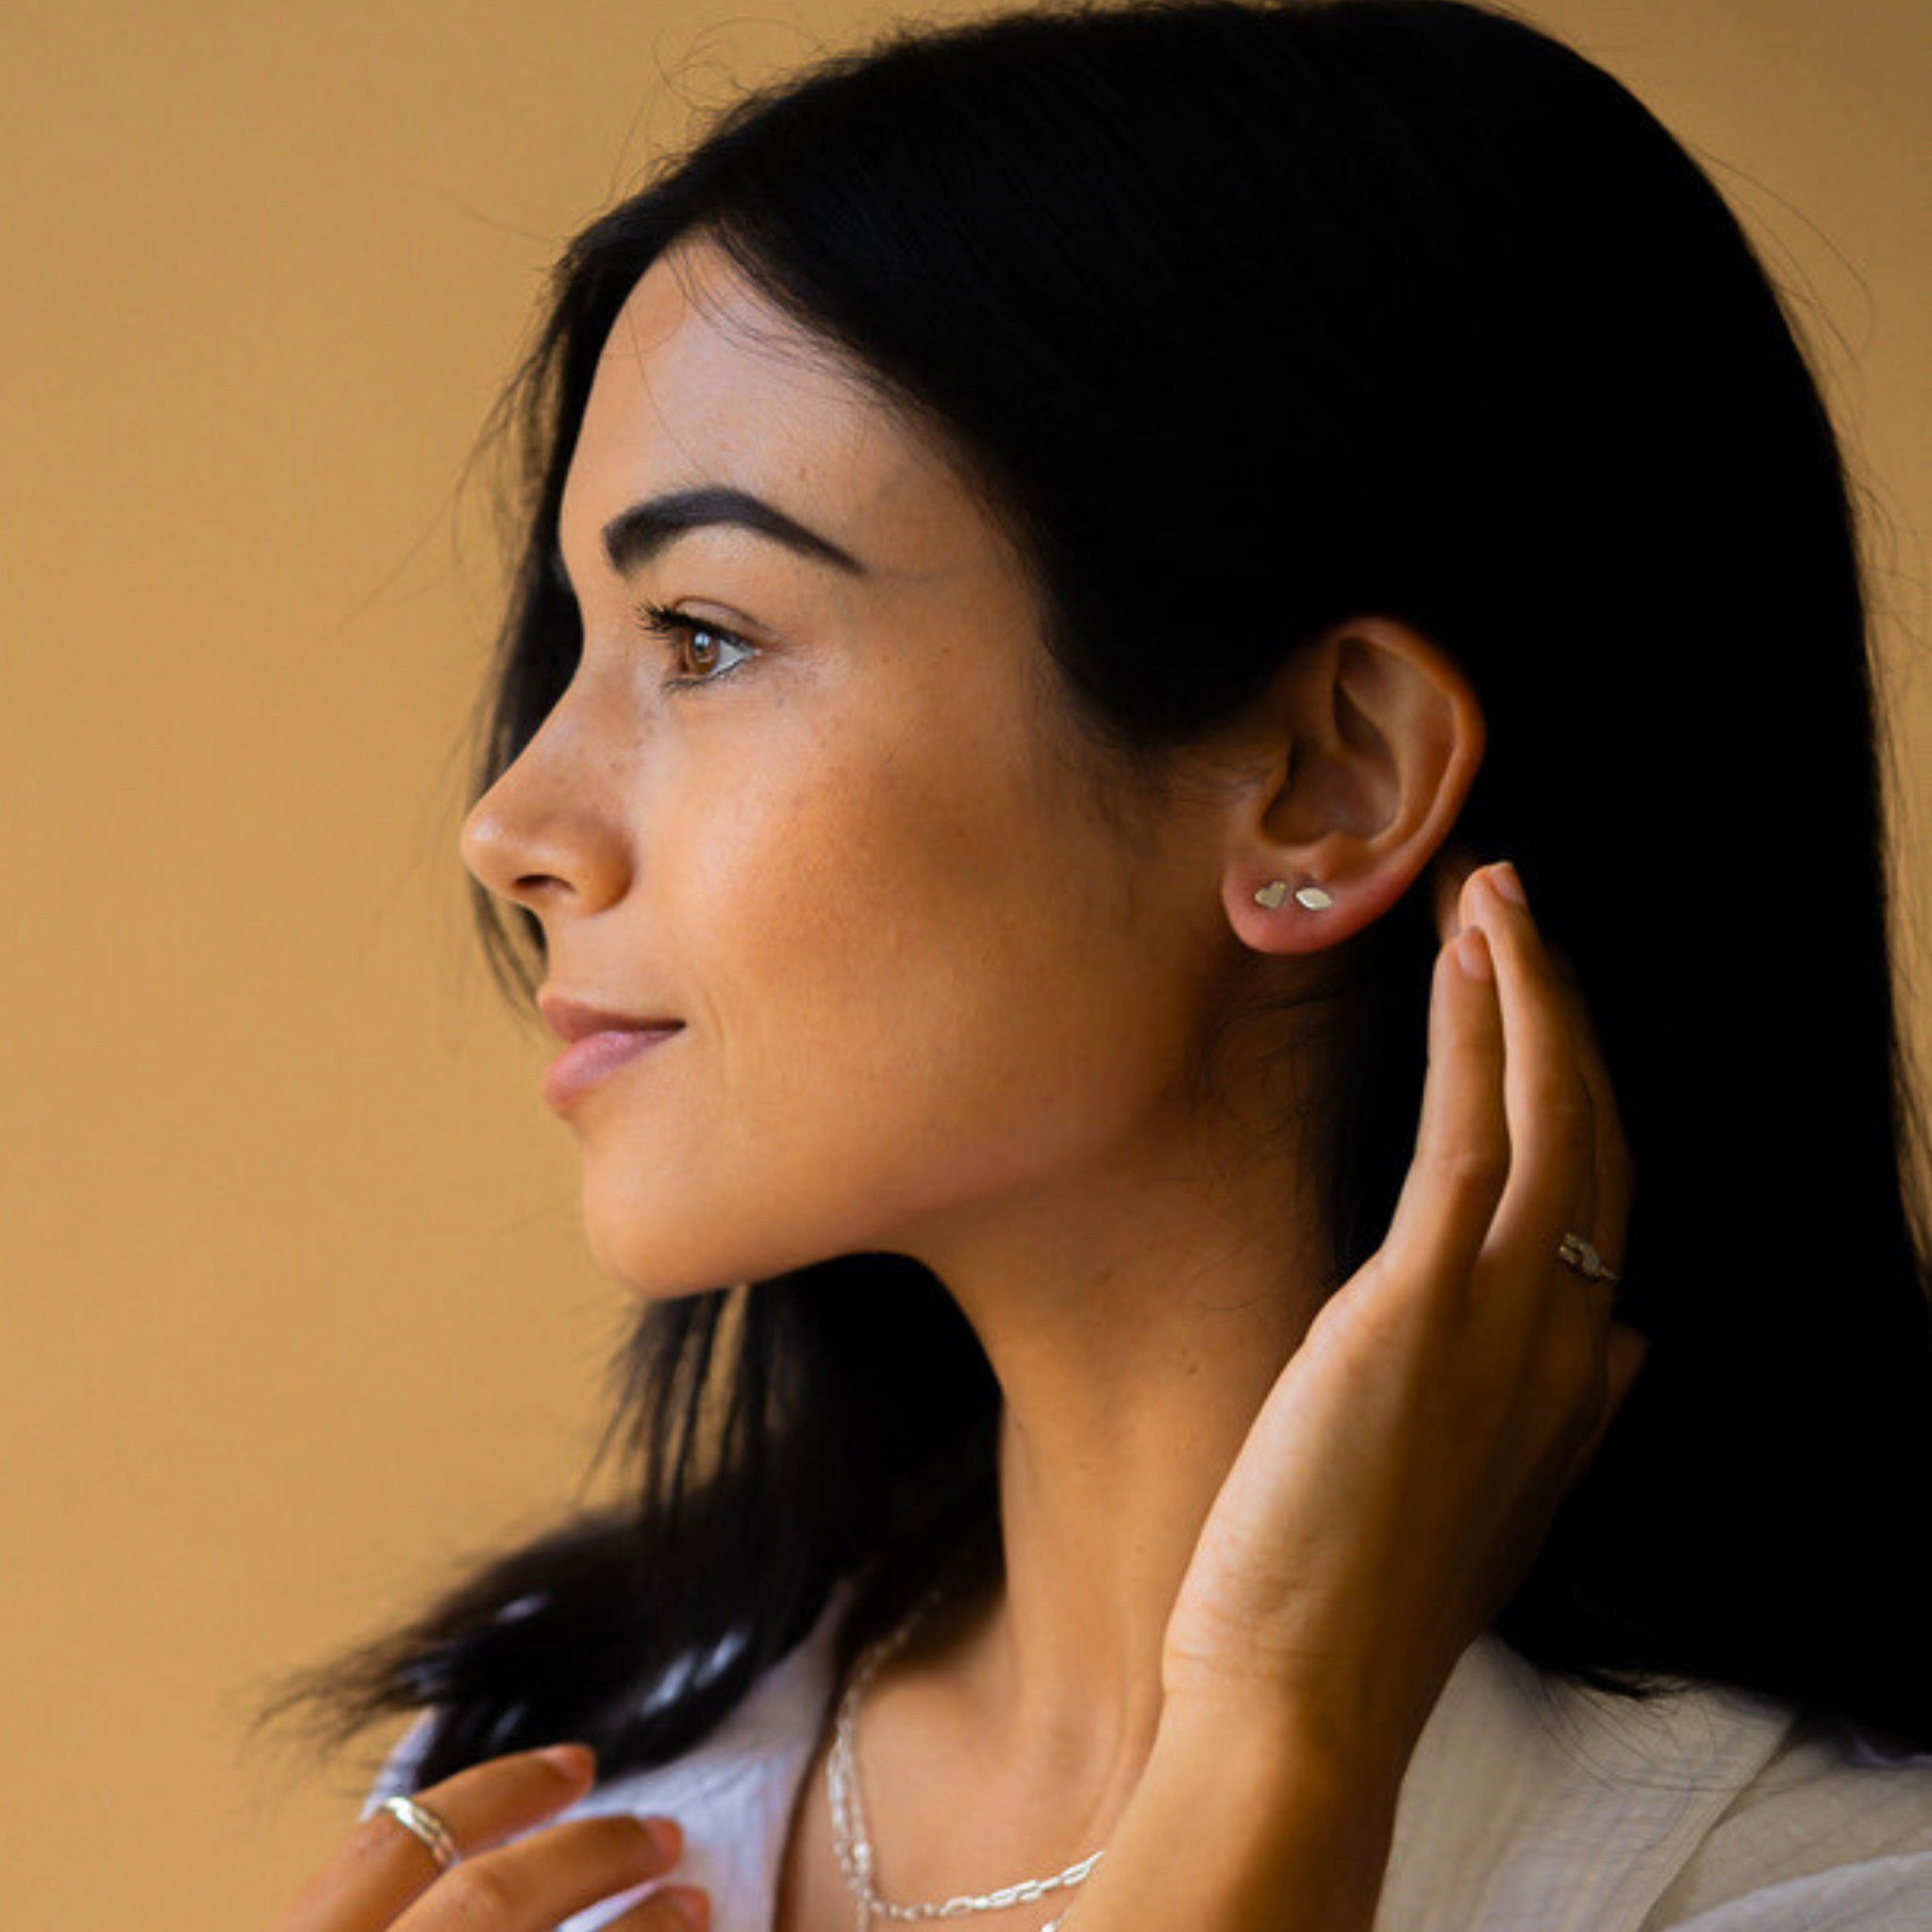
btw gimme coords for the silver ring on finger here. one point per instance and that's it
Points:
(1576, 1253)
(424, 1823)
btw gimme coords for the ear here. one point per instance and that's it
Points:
(1357, 762)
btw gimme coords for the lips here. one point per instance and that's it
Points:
(597, 1041)
(572, 1020)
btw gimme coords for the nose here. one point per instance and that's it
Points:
(542, 838)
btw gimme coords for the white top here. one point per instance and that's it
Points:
(1530, 1805)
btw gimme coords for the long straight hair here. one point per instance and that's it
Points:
(1247, 319)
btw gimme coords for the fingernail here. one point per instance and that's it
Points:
(575, 1761)
(668, 1837)
(1509, 882)
(690, 1905)
(1472, 955)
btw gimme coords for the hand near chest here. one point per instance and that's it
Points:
(504, 1866)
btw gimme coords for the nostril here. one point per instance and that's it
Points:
(538, 888)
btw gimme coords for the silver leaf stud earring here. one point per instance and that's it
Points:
(1310, 898)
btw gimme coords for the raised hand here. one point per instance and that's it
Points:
(1402, 1472)
(509, 1876)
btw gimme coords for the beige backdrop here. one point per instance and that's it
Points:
(295, 1309)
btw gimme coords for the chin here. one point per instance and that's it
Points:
(661, 1264)
(674, 1251)
(683, 1240)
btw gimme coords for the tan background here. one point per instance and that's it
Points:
(294, 1305)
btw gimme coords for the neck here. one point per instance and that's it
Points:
(1135, 1336)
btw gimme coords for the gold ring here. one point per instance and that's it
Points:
(424, 1823)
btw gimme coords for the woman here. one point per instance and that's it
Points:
(1055, 547)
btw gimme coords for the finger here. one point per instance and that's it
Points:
(1604, 1210)
(670, 1908)
(1616, 1167)
(1613, 1180)
(537, 1882)
(1620, 1348)
(382, 1867)
(1447, 878)
(1462, 1160)
(1548, 1108)
(1544, 996)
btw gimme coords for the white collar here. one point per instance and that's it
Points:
(1534, 1805)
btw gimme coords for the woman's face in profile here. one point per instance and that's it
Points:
(841, 835)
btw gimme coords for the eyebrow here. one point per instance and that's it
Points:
(635, 535)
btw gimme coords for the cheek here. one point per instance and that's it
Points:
(857, 927)
(912, 878)
(937, 968)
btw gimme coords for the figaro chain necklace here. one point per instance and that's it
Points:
(853, 1848)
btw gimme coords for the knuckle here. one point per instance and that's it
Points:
(1567, 1116)
(376, 1839)
(1558, 1095)
(482, 1889)
(1469, 1165)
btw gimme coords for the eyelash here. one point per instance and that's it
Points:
(679, 627)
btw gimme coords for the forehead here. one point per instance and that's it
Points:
(702, 381)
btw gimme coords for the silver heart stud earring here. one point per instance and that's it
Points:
(1310, 898)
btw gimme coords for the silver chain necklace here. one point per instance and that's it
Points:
(853, 1848)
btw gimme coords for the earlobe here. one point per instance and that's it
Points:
(1376, 737)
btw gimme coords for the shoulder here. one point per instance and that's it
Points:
(1533, 1805)
(1834, 1830)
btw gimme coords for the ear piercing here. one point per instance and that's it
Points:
(1310, 898)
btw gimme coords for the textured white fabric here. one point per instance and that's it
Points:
(1530, 1805)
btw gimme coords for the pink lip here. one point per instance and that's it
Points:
(593, 1058)
(597, 1041)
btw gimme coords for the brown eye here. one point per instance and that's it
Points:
(696, 648)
